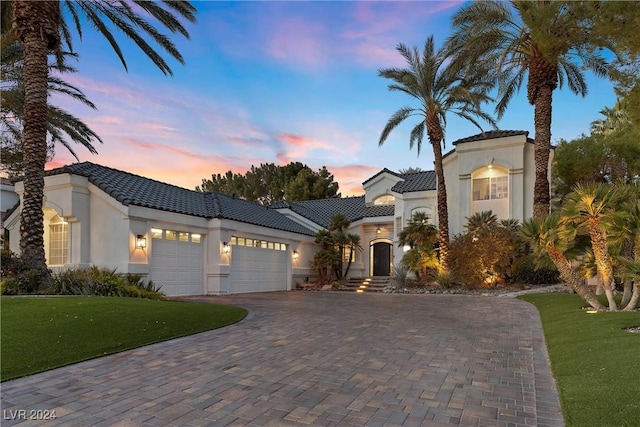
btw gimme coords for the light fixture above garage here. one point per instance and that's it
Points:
(141, 241)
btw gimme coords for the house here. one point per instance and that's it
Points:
(195, 243)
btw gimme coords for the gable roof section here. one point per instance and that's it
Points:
(418, 181)
(385, 170)
(321, 211)
(492, 135)
(130, 189)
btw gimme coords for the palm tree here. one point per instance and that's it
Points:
(39, 26)
(61, 127)
(438, 87)
(624, 232)
(481, 223)
(614, 119)
(591, 206)
(547, 237)
(421, 238)
(543, 40)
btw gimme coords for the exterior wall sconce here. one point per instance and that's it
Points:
(378, 230)
(225, 248)
(141, 241)
(491, 164)
(296, 255)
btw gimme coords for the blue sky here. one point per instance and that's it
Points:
(274, 82)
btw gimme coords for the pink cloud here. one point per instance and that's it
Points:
(350, 177)
(298, 42)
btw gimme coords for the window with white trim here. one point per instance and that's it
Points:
(58, 241)
(491, 188)
(255, 243)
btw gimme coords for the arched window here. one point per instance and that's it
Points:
(58, 241)
(386, 199)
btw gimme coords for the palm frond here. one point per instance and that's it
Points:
(397, 118)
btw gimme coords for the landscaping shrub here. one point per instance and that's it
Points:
(18, 277)
(445, 279)
(484, 255)
(103, 282)
(526, 272)
(400, 275)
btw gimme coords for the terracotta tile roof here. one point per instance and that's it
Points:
(130, 189)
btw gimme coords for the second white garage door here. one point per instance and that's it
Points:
(258, 270)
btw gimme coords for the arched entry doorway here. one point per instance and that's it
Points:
(381, 257)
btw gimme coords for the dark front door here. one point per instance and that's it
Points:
(381, 259)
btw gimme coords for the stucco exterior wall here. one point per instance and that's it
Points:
(511, 156)
(378, 186)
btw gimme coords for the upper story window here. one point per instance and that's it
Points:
(58, 241)
(491, 188)
(386, 199)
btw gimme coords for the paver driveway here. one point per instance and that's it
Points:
(320, 359)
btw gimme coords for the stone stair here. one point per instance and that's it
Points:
(368, 284)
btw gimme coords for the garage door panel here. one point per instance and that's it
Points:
(177, 266)
(258, 270)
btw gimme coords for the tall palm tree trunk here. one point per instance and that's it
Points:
(36, 25)
(543, 79)
(434, 130)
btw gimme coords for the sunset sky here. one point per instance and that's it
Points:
(274, 82)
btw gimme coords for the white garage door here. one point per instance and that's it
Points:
(177, 264)
(258, 270)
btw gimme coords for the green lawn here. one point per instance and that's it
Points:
(43, 333)
(594, 360)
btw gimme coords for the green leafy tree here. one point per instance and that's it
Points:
(270, 183)
(543, 42)
(62, 127)
(437, 87)
(600, 157)
(39, 25)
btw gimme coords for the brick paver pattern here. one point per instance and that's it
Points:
(315, 358)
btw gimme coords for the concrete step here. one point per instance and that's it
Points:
(368, 284)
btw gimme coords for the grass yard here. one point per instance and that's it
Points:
(43, 333)
(594, 360)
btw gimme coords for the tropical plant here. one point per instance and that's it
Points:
(614, 119)
(485, 254)
(39, 25)
(540, 40)
(548, 237)
(438, 87)
(62, 126)
(335, 243)
(421, 238)
(592, 206)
